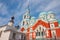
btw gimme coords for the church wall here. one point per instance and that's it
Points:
(5, 35)
(2, 28)
(58, 33)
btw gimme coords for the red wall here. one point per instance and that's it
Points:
(58, 32)
(49, 33)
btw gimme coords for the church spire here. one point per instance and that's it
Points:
(26, 17)
(27, 13)
(28, 9)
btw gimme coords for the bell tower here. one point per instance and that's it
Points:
(11, 22)
(26, 18)
(27, 14)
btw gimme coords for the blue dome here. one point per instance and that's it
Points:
(59, 21)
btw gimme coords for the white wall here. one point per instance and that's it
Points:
(5, 35)
(3, 28)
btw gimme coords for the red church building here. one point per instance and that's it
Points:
(46, 26)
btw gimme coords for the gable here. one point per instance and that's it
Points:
(39, 28)
(40, 22)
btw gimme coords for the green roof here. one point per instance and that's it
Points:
(59, 21)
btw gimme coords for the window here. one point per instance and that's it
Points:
(30, 17)
(40, 28)
(0, 33)
(22, 37)
(23, 22)
(38, 34)
(52, 25)
(43, 33)
(14, 35)
(53, 33)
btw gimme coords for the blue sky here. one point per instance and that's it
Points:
(17, 8)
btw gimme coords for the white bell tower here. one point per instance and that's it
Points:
(26, 15)
(11, 22)
(26, 19)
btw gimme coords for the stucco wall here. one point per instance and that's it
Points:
(5, 35)
(3, 28)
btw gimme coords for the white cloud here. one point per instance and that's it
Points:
(22, 9)
(3, 21)
(52, 5)
(3, 9)
(25, 5)
(35, 1)
(38, 4)
(40, 8)
(17, 12)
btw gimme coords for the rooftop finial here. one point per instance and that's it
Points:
(28, 9)
(12, 18)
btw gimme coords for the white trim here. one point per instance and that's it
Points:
(52, 28)
(53, 32)
(39, 37)
(39, 29)
(47, 33)
(52, 25)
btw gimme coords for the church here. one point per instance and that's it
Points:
(9, 32)
(45, 26)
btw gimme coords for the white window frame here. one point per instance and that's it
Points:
(53, 34)
(52, 25)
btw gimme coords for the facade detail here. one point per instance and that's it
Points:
(46, 26)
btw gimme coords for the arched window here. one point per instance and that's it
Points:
(37, 33)
(52, 25)
(40, 28)
(14, 34)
